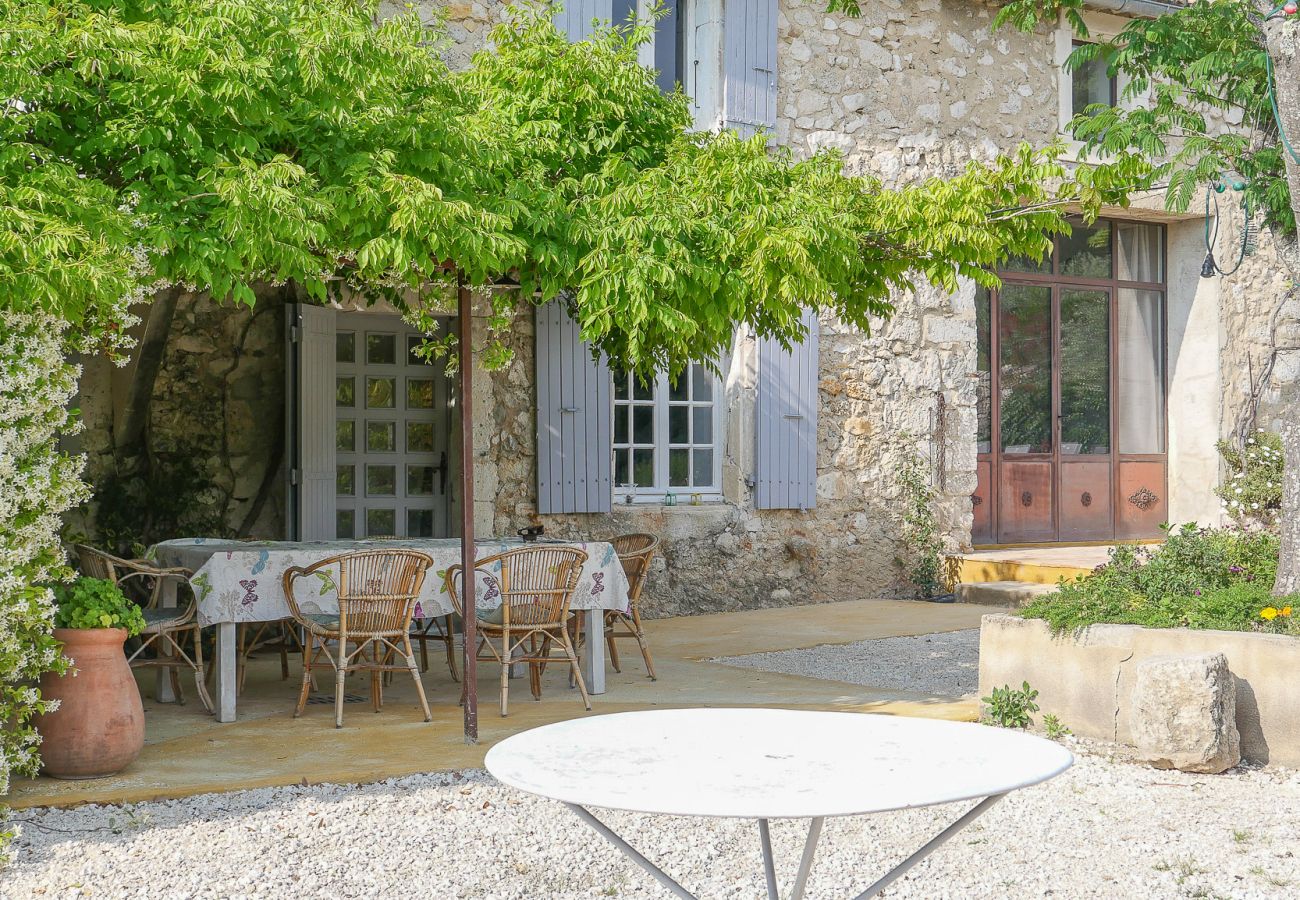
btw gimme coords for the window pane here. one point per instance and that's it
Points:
(345, 523)
(1025, 264)
(984, 371)
(679, 468)
(1085, 252)
(381, 349)
(419, 523)
(679, 425)
(1141, 251)
(1025, 332)
(346, 481)
(1085, 372)
(1141, 372)
(381, 393)
(381, 522)
(420, 480)
(419, 437)
(702, 382)
(642, 390)
(419, 393)
(620, 468)
(381, 437)
(643, 467)
(680, 388)
(346, 435)
(345, 347)
(413, 342)
(643, 424)
(381, 481)
(702, 470)
(1090, 83)
(620, 424)
(620, 386)
(345, 392)
(703, 433)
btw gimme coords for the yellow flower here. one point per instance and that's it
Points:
(1268, 613)
(1286, 610)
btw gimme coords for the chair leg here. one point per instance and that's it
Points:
(286, 629)
(505, 671)
(573, 666)
(451, 649)
(379, 656)
(423, 638)
(645, 651)
(173, 670)
(199, 687)
(340, 674)
(308, 646)
(613, 651)
(419, 685)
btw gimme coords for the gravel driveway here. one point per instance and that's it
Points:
(945, 664)
(1105, 829)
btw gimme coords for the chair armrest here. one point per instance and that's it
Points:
(290, 574)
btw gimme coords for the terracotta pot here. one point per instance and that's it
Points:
(98, 728)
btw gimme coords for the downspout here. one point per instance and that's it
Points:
(1141, 9)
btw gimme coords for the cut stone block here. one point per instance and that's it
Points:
(1011, 594)
(1183, 713)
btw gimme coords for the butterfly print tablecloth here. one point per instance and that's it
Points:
(242, 581)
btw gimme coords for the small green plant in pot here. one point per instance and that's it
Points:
(96, 726)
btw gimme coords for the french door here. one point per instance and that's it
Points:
(1071, 438)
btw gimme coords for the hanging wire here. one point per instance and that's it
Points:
(1210, 267)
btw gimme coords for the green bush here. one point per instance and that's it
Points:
(1216, 578)
(1008, 707)
(1252, 492)
(95, 603)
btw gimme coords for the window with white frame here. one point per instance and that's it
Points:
(1091, 83)
(667, 435)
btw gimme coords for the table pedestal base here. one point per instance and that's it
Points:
(805, 862)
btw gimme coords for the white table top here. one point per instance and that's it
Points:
(770, 763)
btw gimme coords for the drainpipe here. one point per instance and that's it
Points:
(1142, 9)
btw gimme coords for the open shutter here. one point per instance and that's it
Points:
(574, 417)
(314, 404)
(576, 17)
(786, 415)
(749, 65)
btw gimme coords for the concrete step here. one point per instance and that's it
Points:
(1011, 594)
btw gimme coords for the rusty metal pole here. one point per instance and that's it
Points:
(469, 619)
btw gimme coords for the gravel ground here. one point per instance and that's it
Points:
(943, 665)
(1105, 829)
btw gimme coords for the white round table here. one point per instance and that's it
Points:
(772, 764)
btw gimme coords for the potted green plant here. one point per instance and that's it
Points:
(97, 726)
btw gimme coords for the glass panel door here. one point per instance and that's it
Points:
(1083, 465)
(1027, 436)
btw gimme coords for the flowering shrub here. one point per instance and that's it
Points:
(1279, 619)
(1252, 492)
(1217, 578)
(37, 484)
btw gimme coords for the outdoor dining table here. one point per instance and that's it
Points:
(242, 581)
(769, 764)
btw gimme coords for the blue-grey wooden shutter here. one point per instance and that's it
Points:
(575, 19)
(749, 65)
(786, 416)
(315, 469)
(574, 418)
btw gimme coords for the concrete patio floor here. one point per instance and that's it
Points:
(187, 753)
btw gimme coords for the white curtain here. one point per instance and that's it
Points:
(1141, 372)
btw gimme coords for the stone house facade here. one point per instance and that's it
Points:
(911, 89)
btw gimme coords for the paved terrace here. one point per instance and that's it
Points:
(187, 753)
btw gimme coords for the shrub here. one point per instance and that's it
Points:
(1009, 707)
(1215, 578)
(96, 603)
(1252, 492)
(923, 563)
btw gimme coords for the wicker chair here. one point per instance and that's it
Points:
(536, 586)
(635, 552)
(376, 594)
(442, 630)
(165, 627)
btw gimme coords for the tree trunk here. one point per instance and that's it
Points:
(1283, 38)
(129, 437)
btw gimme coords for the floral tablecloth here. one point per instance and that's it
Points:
(242, 581)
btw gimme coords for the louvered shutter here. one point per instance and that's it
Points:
(576, 17)
(749, 65)
(574, 417)
(314, 399)
(786, 416)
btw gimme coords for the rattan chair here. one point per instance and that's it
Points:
(165, 627)
(376, 594)
(442, 630)
(535, 586)
(635, 552)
